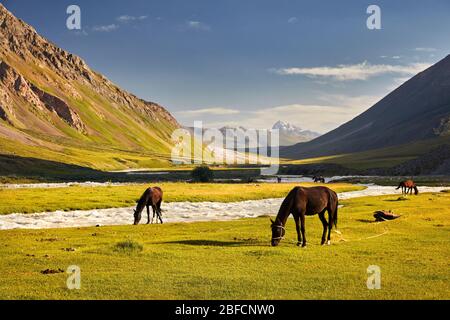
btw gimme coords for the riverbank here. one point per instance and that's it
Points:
(174, 212)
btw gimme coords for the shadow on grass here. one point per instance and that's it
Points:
(208, 243)
(16, 168)
(365, 220)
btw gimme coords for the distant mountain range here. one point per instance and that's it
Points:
(419, 110)
(291, 134)
(53, 106)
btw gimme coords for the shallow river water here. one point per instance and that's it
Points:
(172, 212)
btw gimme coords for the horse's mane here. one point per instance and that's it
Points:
(286, 205)
(143, 200)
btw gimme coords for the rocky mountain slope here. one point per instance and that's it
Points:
(418, 110)
(53, 106)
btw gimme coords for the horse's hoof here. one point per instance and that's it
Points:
(299, 244)
(304, 245)
(329, 243)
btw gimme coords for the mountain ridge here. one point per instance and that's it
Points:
(417, 110)
(52, 99)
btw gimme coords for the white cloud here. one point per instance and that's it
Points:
(127, 18)
(293, 20)
(210, 111)
(197, 25)
(330, 112)
(361, 71)
(107, 28)
(425, 49)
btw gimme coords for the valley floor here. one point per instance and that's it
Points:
(233, 260)
(30, 200)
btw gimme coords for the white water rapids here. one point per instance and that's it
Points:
(172, 212)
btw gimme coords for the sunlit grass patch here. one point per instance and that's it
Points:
(234, 259)
(128, 246)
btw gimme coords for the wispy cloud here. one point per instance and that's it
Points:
(106, 28)
(425, 49)
(210, 111)
(361, 71)
(293, 20)
(328, 113)
(198, 25)
(127, 18)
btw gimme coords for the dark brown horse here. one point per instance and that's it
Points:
(319, 179)
(407, 187)
(303, 202)
(152, 197)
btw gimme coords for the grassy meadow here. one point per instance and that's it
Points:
(86, 198)
(233, 260)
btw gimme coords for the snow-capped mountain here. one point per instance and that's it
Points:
(291, 134)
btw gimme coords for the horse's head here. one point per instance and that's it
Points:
(278, 232)
(137, 217)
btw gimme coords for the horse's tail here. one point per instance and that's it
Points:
(334, 203)
(416, 191)
(335, 219)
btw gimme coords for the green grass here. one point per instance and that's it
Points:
(85, 198)
(233, 260)
(128, 246)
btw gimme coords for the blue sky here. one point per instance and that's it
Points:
(251, 62)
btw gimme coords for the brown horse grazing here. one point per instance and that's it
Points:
(152, 197)
(407, 187)
(303, 202)
(319, 179)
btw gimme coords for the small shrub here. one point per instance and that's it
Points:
(202, 174)
(128, 246)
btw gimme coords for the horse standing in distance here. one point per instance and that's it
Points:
(152, 197)
(319, 179)
(303, 202)
(407, 187)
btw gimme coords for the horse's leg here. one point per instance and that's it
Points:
(159, 216)
(302, 228)
(154, 214)
(325, 225)
(158, 207)
(148, 214)
(297, 227)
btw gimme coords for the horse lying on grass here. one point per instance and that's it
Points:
(303, 202)
(152, 197)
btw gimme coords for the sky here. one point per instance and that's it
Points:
(250, 63)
